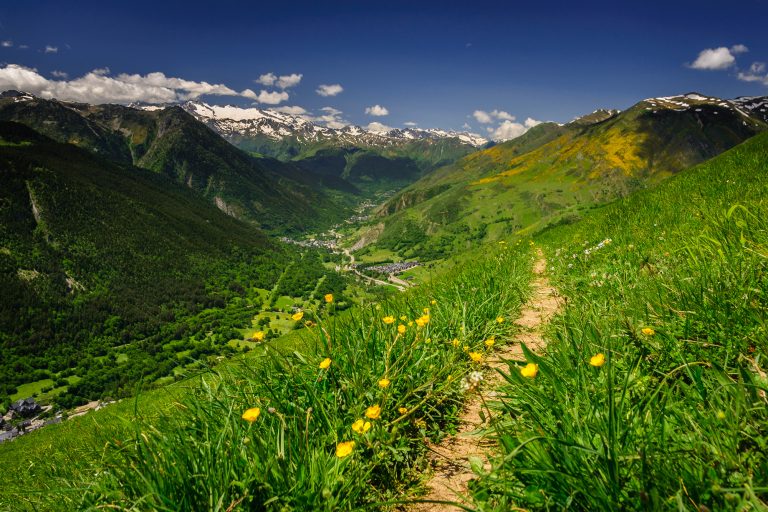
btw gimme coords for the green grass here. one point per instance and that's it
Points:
(31, 389)
(676, 417)
(286, 459)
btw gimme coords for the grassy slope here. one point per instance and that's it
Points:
(286, 458)
(676, 417)
(553, 174)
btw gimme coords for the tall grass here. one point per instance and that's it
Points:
(204, 456)
(677, 302)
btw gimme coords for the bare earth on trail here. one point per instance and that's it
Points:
(450, 459)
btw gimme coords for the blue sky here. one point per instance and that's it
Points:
(432, 63)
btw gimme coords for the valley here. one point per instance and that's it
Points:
(188, 263)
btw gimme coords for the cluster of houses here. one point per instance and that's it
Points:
(22, 417)
(392, 268)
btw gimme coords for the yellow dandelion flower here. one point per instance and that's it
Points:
(325, 363)
(344, 449)
(251, 414)
(384, 383)
(298, 316)
(361, 426)
(476, 357)
(490, 342)
(648, 331)
(328, 298)
(259, 336)
(499, 319)
(530, 370)
(597, 360)
(401, 329)
(373, 412)
(388, 320)
(422, 320)
(402, 410)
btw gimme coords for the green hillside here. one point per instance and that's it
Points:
(103, 264)
(669, 285)
(554, 173)
(171, 142)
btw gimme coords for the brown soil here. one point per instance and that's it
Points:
(450, 460)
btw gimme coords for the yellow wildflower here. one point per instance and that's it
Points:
(258, 336)
(361, 426)
(328, 298)
(476, 357)
(490, 342)
(410, 324)
(325, 363)
(465, 348)
(251, 414)
(530, 370)
(455, 342)
(309, 323)
(344, 449)
(402, 410)
(597, 360)
(388, 320)
(422, 320)
(404, 318)
(420, 423)
(648, 331)
(384, 383)
(433, 302)
(373, 412)
(499, 319)
(401, 329)
(425, 311)
(298, 316)
(720, 415)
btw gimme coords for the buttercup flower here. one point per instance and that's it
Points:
(298, 316)
(329, 297)
(402, 410)
(325, 363)
(648, 331)
(422, 320)
(251, 414)
(530, 370)
(401, 329)
(490, 342)
(373, 412)
(384, 383)
(597, 360)
(404, 318)
(388, 320)
(499, 319)
(476, 357)
(455, 342)
(361, 426)
(433, 302)
(344, 449)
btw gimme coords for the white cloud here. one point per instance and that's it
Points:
(482, 116)
(23, 46)
(331, 110)
(331, 118)
(718, 58)
(410, 124)
(283, 81)
(268, 97)
(59, 74)
(508, 130)
(286, 81)
(329, 90)
(6, 44)
(293, 110)
(756, 73)
(267, 79)
(500, 114)
(98, 87)
(376, 127)
(377, 111)
(51, 49)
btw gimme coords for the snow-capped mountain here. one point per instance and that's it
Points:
(749, 109)
(231, 121)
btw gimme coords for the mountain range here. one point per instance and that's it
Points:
(553, 172)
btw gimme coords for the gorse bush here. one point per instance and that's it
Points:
(652, 391)
(336, 427)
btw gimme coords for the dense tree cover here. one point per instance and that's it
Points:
(98, 259)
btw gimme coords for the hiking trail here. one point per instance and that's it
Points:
(450, 459)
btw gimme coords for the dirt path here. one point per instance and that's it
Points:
(450, 459)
